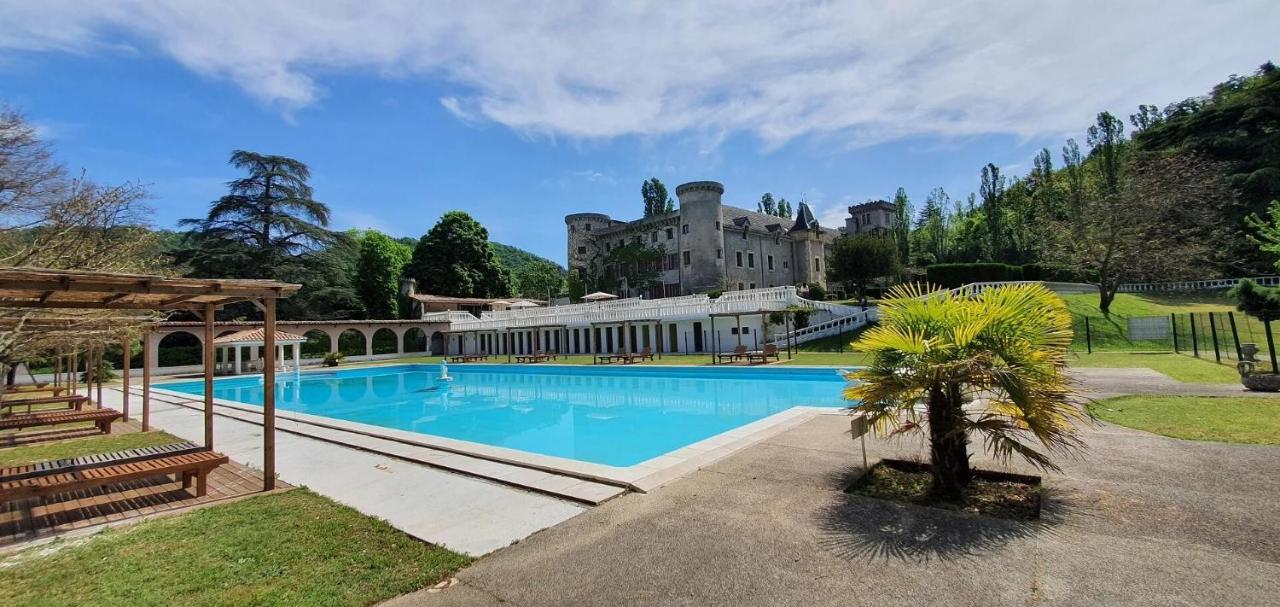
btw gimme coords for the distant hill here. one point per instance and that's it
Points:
(515, 258)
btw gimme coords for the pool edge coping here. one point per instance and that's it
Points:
(642, 477)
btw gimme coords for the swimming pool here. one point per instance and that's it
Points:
(605, 415)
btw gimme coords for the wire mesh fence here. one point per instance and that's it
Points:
(1222, 337)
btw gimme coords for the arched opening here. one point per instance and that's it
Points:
(179, 349)
(384, 341)
(351, 343)
(415, 340)
(317, 344)
(437, 343)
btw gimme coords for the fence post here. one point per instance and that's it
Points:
(1271, 344)
(1191, 319)
(1088, 335)
(1235, 337)
(1213, 331)
(1173, 320)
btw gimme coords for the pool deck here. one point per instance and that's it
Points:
(463, 513)
(1140, 520)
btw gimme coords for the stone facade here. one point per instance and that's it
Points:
(873, 217)
(706, 245)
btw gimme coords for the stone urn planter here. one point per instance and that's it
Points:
(1256, 382)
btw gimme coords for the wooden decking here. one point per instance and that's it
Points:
(121, 502)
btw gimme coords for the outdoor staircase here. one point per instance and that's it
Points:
(834, 326)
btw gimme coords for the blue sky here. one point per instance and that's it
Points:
(509, 115)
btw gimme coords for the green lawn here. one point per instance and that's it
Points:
(76, 447)
(1238, 419)
(292, 548)
(1109, 333)
(1182, 367)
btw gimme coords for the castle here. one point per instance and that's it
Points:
(704, 246)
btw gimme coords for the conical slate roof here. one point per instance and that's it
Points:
(804, 219)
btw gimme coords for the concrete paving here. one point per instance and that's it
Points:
(464, 514)
(1138, 520)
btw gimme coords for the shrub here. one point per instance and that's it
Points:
(817, 292)
(333, 359)
(104, 371)
(952, 275)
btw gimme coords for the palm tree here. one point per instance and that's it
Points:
(954, 363)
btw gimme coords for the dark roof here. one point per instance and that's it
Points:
(805, 219)
(760, 221)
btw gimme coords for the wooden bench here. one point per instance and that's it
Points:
(185, 467)
(97, 460)
(738, 353)
(73, 401)
(101, 418)
(763, 356)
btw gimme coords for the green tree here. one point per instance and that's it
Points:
(1077, 190)
(992, 192)
(767, 204)
(931, 228)
(269, 226)
(656, 200)
(379, 267)
(784, 208)
(860, 258)
(539, 280)
(1107, 140)
(639, 265)
(951, 365)
(454, 259)
(902, 212)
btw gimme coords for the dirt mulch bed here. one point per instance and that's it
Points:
(997, 494)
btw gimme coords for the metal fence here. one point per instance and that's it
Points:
(1222, 337)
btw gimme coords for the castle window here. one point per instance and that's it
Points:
(744, 232)
(739, 256)
(717, 225)
(654, 237)
(770, 262)
(751, 261)
(586, 228)
(684, 229)
(687, 259)
(672, 262)
(582, 250)
(785, 264)
(607, 247)
(719, 254)
(753, 285)
(741, 287)
(817, 264)
(670, 233)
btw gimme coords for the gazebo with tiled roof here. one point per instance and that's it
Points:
(255, 338)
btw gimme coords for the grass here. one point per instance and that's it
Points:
(15, 456)
(1181, 367)
(1110, 332)
(292, 548)
(1236, 419)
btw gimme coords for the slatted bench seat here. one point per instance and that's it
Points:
(102, 418)
(12, 473)
(73, 401)
(187, 466)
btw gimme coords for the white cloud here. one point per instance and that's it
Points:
(858, 72)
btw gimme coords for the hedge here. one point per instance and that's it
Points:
(952, 275)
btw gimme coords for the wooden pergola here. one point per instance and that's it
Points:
(39, 288)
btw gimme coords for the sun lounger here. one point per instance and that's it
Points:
(763, 356)
(738, 353)
(73, 401)
(187, 466)
(611, 358)
(70, 464)
(101, 418)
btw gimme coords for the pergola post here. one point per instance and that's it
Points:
(713, 339)
(126, 345)
(269, 394)
(97, 368)
(737, 319)
(208, 376)
(146, 380)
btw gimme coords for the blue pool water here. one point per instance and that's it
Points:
(605, 415)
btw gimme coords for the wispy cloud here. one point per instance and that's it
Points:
(858, 72)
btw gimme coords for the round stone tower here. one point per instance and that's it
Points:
(703, 238)
(583, 249)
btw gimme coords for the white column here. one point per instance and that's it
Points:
(237, 369)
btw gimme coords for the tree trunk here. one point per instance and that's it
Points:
(1105, 297)
(948, 444)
